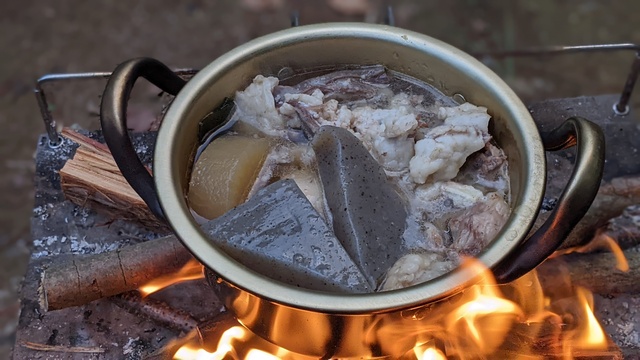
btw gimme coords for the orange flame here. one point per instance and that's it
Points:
(476, 325)
(589, 334)
(487, 316)
(192, 270)
(187, 353)
(255, 354)
(225, 347)
(600, 242)
(604, 241)
(431, 353)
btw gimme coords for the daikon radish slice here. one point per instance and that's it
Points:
(224, 173)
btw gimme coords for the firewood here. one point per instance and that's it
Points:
(612, 199)
(155, 310)
(524, 341)
(595, 271)
(206, 335)
(78, 280)
(624, 229)
(92, 178)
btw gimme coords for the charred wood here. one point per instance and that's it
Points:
(155, 310)
(595, 271)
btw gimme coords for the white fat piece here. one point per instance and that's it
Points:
(444, 149)
(256, 106)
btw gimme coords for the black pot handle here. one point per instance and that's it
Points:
(113, 119)
(574, 202)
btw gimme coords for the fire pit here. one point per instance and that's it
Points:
(470, 324)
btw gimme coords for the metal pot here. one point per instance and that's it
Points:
(326, 324)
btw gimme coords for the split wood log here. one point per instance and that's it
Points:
(92, 178)
(78, 280)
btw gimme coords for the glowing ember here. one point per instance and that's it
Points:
(192, 270)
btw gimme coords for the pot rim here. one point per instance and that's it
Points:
(175, 207)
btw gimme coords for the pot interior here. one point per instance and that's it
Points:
(308, 47)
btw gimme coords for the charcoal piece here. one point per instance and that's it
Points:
(277, 232)
(369, 215)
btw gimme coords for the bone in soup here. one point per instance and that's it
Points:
(357, 180)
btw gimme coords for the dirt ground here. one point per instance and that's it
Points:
(40, 37)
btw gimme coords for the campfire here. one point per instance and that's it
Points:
(522, 319)
(547, 313)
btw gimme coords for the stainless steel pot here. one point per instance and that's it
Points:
(324, 324)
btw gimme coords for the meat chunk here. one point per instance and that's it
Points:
(421, 235)
(443, 197)
(477, 225)
(445, 148)
(386, 133)
(416, 268)
(256, 106)
(487, 170)
(431, 208)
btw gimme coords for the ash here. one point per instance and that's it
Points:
(61, 229)
(133, 349)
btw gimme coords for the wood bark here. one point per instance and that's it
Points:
(595, 271)
(155, 310)
(78, 280)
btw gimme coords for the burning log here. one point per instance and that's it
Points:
(78, 280)
(92, 178)
(594, 271)
(205, 335)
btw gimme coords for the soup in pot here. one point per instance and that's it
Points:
(356, 180)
